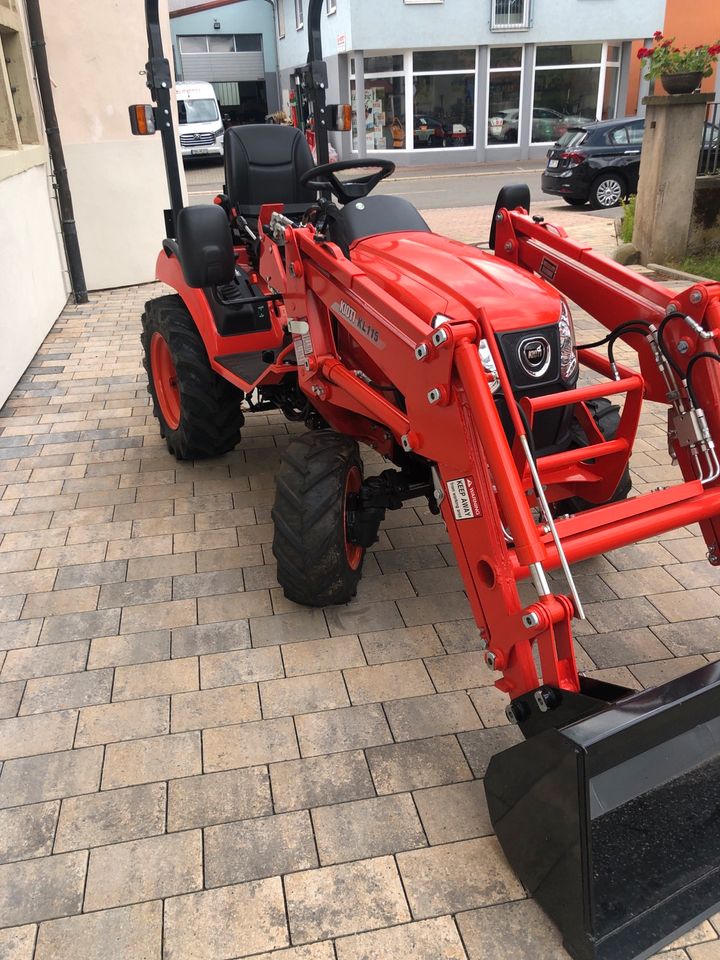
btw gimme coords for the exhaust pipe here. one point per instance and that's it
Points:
(612, 821)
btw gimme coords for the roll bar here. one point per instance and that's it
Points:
(159, 82)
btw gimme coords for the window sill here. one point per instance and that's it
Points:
(13, 162)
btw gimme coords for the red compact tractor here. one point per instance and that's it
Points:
(299, 290)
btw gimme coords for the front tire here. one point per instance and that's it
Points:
(316, 563)
(198, 411)
(607, 191)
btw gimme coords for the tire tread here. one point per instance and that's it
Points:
(210, 418)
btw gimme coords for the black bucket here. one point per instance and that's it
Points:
(612, 822)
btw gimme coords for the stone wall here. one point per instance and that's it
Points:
(704, 230)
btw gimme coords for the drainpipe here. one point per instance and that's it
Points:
(57, 156)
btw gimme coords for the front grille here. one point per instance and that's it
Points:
(197, 139)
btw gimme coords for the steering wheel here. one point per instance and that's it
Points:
(324, 178)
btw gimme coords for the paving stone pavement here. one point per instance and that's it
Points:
(192, 766)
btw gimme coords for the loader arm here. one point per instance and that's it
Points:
(450, 418)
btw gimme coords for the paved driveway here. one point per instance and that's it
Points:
(192, 766)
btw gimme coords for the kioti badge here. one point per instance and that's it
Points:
(534, 355)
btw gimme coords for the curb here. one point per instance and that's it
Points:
(679, 274)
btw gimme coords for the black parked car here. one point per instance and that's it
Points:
(599, 162)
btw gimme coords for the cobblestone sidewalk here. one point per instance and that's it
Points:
(192, 766)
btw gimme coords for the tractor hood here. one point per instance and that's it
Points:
(431, 274)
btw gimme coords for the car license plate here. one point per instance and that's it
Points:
(552, 163)
(196, 150)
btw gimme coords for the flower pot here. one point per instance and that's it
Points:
(681, 82)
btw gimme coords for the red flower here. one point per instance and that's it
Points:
(644, 52)
(666, 43)
(657, 35)
(714, 50)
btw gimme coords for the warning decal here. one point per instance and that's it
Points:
(464, 498)
(303, 347)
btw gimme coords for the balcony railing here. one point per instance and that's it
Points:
(510, 14)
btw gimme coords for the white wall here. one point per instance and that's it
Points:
(32, 291)
(96, 54)
(119, 193)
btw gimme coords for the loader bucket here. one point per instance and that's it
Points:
(612, 822)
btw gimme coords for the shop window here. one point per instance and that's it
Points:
(381, 120)
(416, 101)
(567, 86)
(503, 119)
(425, 61)
(609, 103)
(572, 54)
(280, 7)
(392, 63)
(510, 14)
(444, 108)
(568, 96)
(443, 98)
(504, 58)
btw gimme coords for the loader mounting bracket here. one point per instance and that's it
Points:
(388, 491)
(551, 708)
(158, 76)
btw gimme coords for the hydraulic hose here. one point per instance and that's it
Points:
(705, 355)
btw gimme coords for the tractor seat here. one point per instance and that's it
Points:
(372, 216)
(263, 163)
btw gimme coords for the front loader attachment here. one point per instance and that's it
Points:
(612, 822)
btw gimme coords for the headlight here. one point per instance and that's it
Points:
(489, 367)
(568, 353)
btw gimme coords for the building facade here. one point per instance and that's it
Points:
(33, 286)
(233, 46)
(117, 181)
(469, 80)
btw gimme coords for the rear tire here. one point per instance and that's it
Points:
(316, 564)
(607, 417)
(198, 411)
(607, 191)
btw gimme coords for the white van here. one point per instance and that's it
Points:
(201, 127)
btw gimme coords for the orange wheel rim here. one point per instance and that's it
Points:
(353, 551)
(165, 381)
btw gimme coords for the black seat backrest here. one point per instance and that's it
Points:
(263, 163)
(372, 216)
